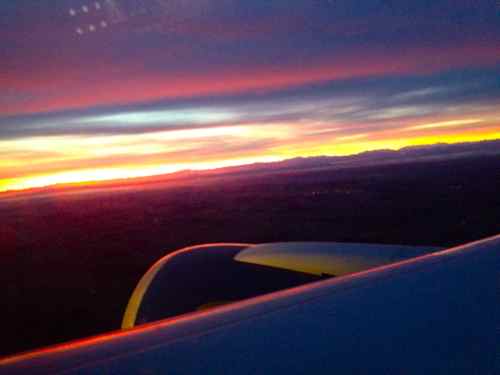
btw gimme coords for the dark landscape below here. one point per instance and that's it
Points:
(71, 260)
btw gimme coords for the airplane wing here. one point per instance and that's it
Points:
(435, 313)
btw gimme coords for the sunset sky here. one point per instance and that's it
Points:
(94, 90)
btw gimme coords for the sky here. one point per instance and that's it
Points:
(105, 89)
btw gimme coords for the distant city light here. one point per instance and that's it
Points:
(91, 28)
(97, 5)
(85, 9)
(104, 24)
(72, 12)
(79, 31)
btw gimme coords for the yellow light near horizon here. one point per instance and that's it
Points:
(108, 174)
(77, 147)
(351, 148)
(290, 145)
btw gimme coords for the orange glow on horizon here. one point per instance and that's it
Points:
(347, 145)
(89, 176)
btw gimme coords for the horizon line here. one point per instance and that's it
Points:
(89, 183)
